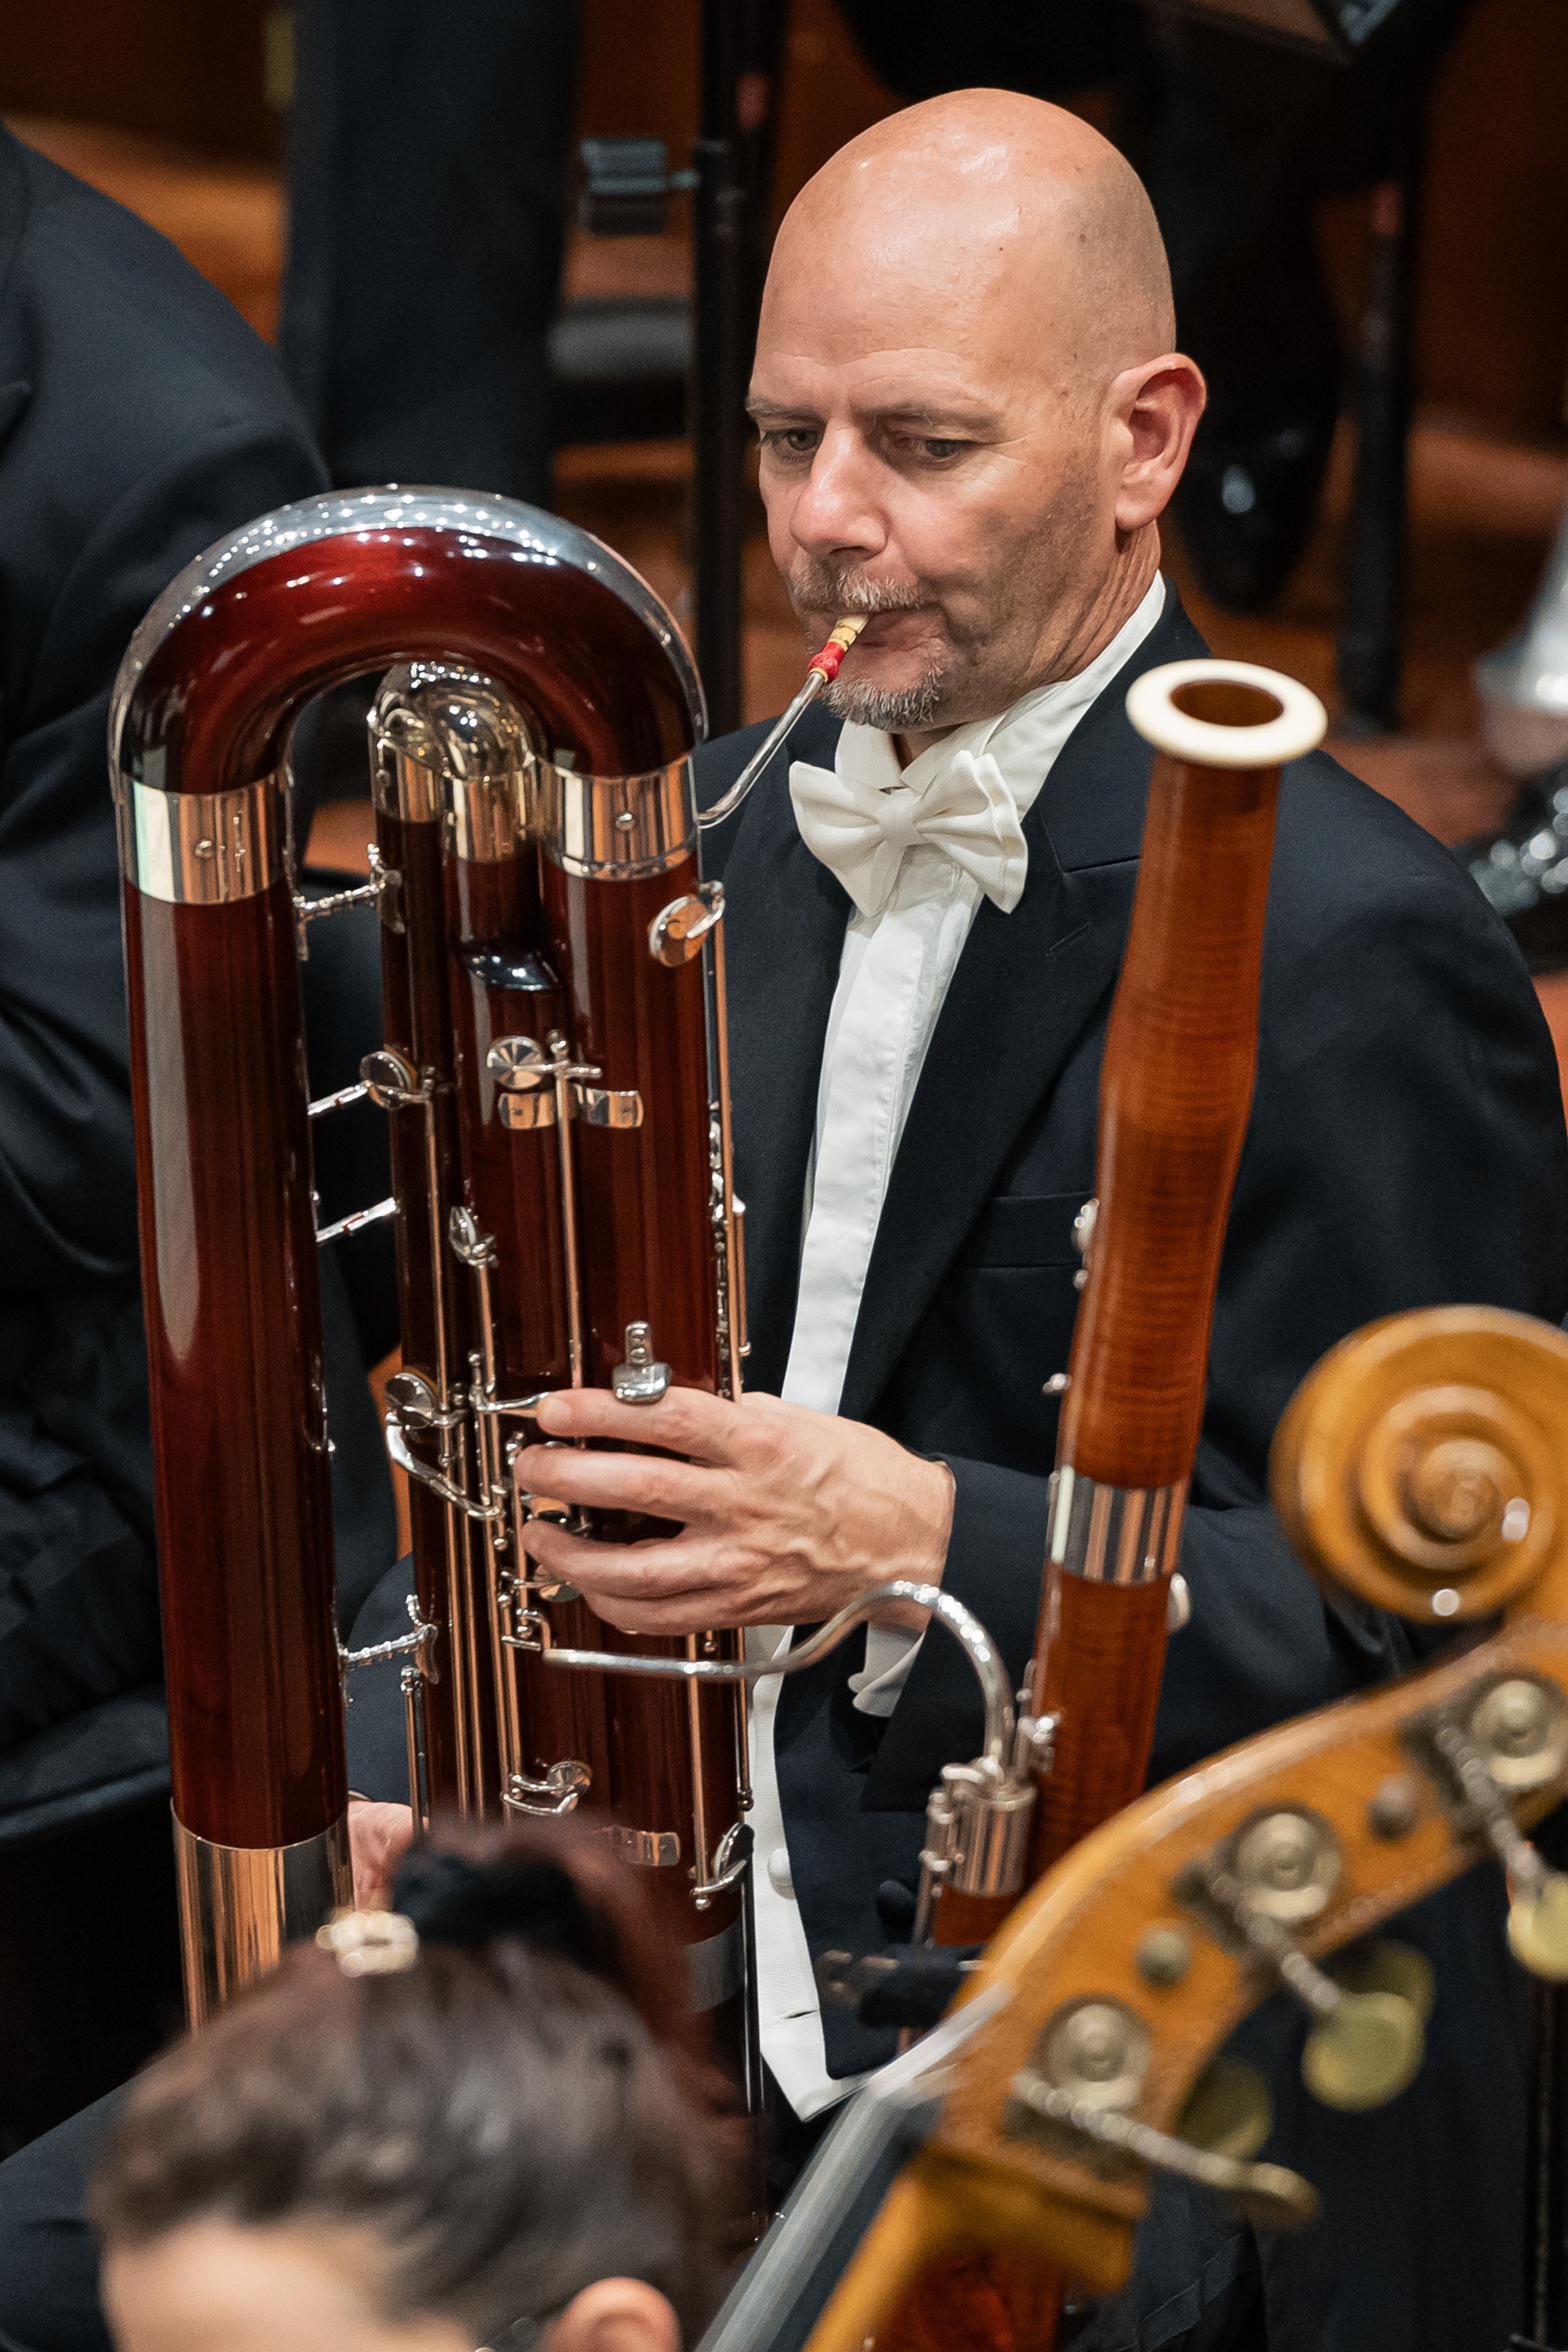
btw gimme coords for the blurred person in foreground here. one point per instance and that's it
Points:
(474, 2120)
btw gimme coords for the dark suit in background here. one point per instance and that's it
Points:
(139, 420)
(1405, 1148)
(427, 158)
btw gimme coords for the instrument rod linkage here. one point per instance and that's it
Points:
(962, 1623)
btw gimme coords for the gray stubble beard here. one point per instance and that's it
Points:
(893, 710)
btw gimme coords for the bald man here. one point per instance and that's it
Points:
(973, 413)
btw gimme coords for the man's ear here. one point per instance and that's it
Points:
(1157, 408)
(616, 2314)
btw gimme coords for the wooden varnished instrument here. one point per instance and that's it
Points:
(554, 1074)
(1422, 1458)
(1175, 1093)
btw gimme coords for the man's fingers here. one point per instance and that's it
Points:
(379, 1837)
(622, 1571)
(619, 1482)
(687, 1420)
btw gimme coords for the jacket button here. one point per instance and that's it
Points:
(779, 1877)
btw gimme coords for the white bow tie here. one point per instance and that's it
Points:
(861, 832)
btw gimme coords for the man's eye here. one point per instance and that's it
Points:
(938, 450)
(792, 440)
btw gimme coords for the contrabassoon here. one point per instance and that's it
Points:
(554, 1072)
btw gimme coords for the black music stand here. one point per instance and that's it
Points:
(626, 189)
(1368, 650)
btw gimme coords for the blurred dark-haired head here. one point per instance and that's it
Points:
(461, 2145)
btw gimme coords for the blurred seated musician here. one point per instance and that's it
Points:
(469, 2121)
(139, 420)
(973, 413)
(1239, 139)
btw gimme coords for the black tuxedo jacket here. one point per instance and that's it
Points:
(139, 420)
(1406, 1149)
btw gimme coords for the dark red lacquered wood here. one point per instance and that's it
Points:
(963, 1918)
(647, 1239)
(229, 1274)
(989, 2300)
(513, 1180)
(1175, 1091)
(233, 1314)
(1104, 1651)
(644, 1192)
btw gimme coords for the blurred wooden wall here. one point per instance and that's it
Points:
(1494, 307)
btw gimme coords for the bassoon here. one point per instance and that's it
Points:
(1175, 1092)
(554, 1074)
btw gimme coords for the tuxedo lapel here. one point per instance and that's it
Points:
(784, 940)
(1026, 985)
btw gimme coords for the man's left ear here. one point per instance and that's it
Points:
(1157, 407)
(616, 2314)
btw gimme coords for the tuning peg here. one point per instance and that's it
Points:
(1227, 2110)
(1075, 2098)
(1274, 1876)
(1365, 2052)
(1387, 1967)
(1515, 1740)
(1538, 1928)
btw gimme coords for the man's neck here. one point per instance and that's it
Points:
(1103, 618)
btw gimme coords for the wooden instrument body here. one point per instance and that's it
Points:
(233, 1313)
(1175, 1092)
(206, 697)
(643, 1200)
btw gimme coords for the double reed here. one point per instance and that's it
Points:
(554, 1074)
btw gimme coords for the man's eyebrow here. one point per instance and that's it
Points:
(769, 412)
(938, 419)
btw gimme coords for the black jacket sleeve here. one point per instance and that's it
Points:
(66, 1163)
(1406, 1150)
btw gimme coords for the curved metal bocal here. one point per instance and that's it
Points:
(209, 688)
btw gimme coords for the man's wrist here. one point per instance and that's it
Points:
(935, 1505)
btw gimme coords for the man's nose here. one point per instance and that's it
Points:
(838, 513)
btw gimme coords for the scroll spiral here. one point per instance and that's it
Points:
(1420, 1466)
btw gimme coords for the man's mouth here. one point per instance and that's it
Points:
(894, 632)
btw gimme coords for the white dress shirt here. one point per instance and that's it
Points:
(894, 974)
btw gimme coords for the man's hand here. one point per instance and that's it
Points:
(379, 1837)
(784, 1512)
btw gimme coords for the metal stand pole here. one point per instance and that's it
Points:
(720, 363)
(1546, 2176)
(1367, 654)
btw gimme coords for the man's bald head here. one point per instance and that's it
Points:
(971, 413)
(1037, 213)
